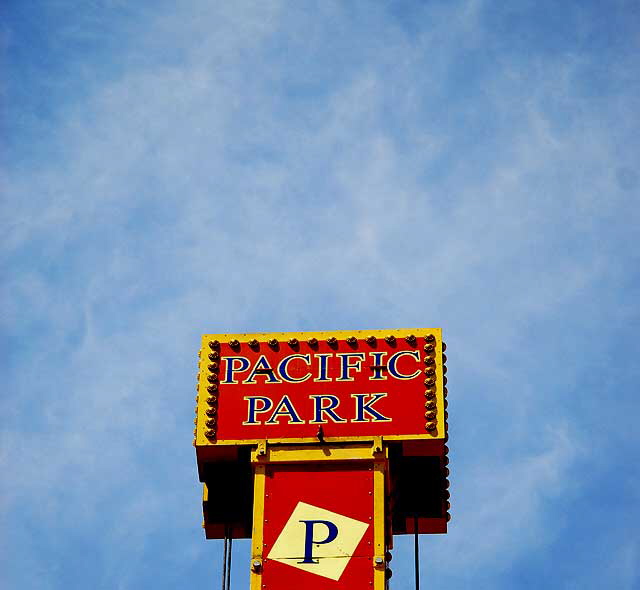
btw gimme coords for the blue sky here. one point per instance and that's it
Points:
(171, 169)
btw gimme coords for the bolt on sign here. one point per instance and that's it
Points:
(284, 420)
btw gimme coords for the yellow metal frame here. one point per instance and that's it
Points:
(257, 533)
(294, 454)
(202, 441)
(374, 453)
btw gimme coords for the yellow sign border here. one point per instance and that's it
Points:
(202, 441)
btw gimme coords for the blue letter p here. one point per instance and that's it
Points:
(332, 533)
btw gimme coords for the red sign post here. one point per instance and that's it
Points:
(339, 429)
(315, 519)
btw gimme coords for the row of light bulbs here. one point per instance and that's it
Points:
(331, 341)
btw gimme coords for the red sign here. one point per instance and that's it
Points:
(321, 386)
(313, 537)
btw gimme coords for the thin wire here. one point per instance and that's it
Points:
(224, 561)
(229, 557)
(416, 550)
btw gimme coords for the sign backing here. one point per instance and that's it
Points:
(310, 386)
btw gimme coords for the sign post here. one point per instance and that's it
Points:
(319, 518)
(321, 446)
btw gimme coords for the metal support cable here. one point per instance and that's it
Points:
(229, 559)
(416, 550)
(224, 561)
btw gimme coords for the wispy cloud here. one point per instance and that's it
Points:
(254, 166)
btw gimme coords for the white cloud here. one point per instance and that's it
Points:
(201, 189)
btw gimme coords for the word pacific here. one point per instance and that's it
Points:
(297, 368)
